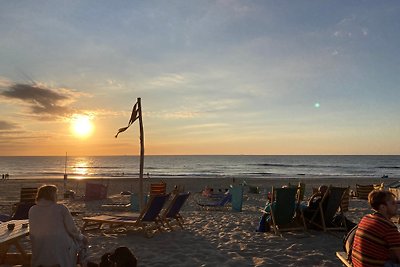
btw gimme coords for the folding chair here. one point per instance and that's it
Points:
(158, 189)
(148, 220)
(284, 211)
(172, 212)
(328, 208)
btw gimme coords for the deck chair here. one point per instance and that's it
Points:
(158, 189)
(396, 192)
(171, 213)
(147, 221)
(21, 212)
(362, 191)
(27, 198)
(327, 209)
(215, 204)
(95, 191)
(285, 212)
(301, 190)
(342, 256)
(344, 206)
(28, 194)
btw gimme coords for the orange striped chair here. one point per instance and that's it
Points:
(158, 189)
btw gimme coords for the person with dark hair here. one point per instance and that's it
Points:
(313, 204)
(54, 236)
(316, 198)
(122, 257)
(377, 240)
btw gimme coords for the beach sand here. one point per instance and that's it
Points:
(210, 238)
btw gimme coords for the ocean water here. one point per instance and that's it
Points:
(239, 166)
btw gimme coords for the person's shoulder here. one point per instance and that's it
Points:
(377, 220)
(33, 209)
(61, 207)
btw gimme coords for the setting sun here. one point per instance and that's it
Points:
(81, 125)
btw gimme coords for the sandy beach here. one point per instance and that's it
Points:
(210, 238)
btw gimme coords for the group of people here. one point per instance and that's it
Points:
(308, 209)
(56, 241)
(5, 176)
(376, 241)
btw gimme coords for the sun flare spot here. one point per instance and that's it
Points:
(81, 125)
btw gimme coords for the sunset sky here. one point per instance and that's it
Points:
(215, 77)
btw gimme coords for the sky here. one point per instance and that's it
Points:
(214, 77)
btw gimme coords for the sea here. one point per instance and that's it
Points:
(232, 166)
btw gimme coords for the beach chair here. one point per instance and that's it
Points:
(285, 214)
(215, 204)
(158, 189)
(396, 192)
(344, 206)
(28, 194)
(94, 191)
(343, 258)
(301, 190)
(148, 220)
(328, 208)
(21, 212)
(172, 212)
(362, 191)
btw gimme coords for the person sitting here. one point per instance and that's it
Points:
(207, 192)
(377, 239)
(265, 220)
(313, 204)
(316, 198)
(54, 236)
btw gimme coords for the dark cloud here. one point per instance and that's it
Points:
(42, 101)
(5, 125)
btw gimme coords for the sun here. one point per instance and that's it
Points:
(81, 125)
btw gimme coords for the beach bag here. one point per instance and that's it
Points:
(348, 242)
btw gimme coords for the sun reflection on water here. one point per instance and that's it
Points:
(81, 169)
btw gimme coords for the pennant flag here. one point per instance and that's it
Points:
(134, 117)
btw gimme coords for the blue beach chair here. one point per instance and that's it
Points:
(172, 212)
(216, 204)
(148, 220)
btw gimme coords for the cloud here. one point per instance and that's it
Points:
(174, 114)
(167, 80)
(5, 125)
(43, 102)
(5, 82)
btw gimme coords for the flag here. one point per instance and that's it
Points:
(134, 116)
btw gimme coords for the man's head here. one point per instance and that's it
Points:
(383, 202)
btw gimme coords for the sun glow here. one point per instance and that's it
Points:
(81, 125)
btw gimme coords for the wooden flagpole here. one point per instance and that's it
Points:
(141, 154)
